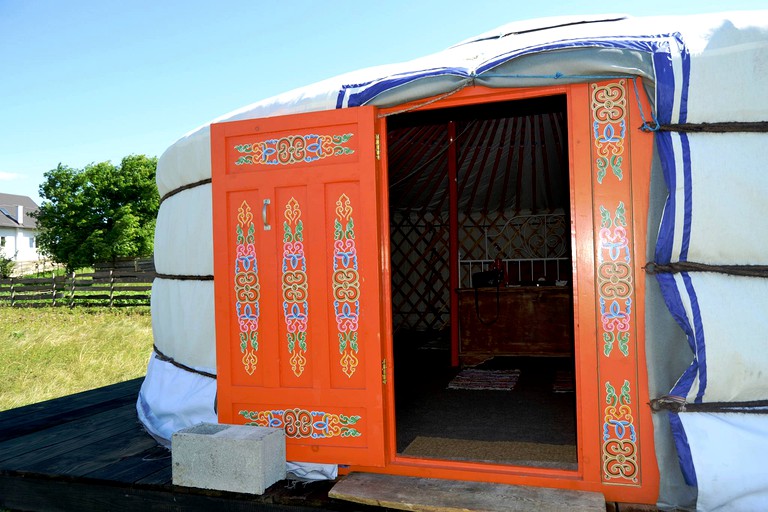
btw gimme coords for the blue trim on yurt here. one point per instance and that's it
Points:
(688, 197)
(701, 347)
(666, 237)
(666, 91)
(665, 87)
(650, 44)
(369, 90)
(694, 333)
(683, 449)
(674, 303)
(365, 92)
(684, 384)
(685, 57)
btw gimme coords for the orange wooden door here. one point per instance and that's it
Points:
(296, 277)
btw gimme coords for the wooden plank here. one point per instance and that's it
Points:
(95, 296)
(34, 287)
(90, 452)
(429, 494)
(74, 402)
(47, 304)
(37, 280)
(29, 492)
(34, 417)
(140, 466)
(36, 296)
(161, 477)
(119, 295)
(134, 275)
(103, 305)
(63, 437)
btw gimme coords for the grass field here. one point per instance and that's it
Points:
(50, 352)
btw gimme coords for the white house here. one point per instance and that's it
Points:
(18, 229)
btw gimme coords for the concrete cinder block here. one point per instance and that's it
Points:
(235, 458)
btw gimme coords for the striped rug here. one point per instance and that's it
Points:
(485, 380)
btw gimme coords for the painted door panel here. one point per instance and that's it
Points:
(296, 269)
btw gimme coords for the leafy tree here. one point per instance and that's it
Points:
(6, 265)
(98, 213)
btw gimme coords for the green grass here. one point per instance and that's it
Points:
(51, 352)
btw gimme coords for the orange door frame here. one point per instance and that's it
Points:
(610, 164)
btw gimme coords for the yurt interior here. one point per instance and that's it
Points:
(482, 301)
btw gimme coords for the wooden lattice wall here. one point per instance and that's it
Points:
(420, 271)
(533, 247)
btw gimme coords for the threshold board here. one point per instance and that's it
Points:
(431, 494)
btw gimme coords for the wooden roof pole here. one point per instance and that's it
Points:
(508, 165)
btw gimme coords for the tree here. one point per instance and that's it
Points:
(98, 213)
(6, 265)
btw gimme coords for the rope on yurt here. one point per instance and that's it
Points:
(167, 359)
(678, 404)
(555, 76)
(645, 127)
(692, 266)
(184, 187)
(464, 85)
(722, 127)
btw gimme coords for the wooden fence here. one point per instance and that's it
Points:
(103, 287)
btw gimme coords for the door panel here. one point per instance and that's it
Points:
(295, 343)
(349, 331)
(296, 269)
(252, 319)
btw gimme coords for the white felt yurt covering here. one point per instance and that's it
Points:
(707, 206)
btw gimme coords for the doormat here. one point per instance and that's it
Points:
(517, 452)
(485, 380)
(564, 382)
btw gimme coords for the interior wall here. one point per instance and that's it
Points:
(512, 180)
(533, 248)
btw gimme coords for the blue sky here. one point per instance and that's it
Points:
(86, 81)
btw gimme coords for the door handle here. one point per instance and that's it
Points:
(267, 227)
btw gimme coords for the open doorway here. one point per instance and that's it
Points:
(493, 293)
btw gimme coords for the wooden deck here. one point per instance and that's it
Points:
(88, 452)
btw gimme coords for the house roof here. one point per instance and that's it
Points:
(9, 210)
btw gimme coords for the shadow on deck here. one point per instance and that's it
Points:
(88, 452)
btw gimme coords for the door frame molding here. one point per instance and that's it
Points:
(601, 410)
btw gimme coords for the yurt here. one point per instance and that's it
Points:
(537, 257)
